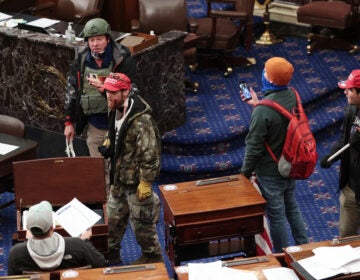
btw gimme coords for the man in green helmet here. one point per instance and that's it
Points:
(86, 110)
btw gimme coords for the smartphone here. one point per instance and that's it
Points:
(245, 90)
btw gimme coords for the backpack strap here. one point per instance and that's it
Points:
(277, 107)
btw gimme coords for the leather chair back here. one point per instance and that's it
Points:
(66, 9)
(12, 126)
(162, 16)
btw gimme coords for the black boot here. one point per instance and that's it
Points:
(114, 257)
(148, 258)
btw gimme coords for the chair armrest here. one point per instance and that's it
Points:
(135, 25)
(87, 14)
(42, 7)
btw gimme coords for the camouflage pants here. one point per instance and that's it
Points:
(123, 205)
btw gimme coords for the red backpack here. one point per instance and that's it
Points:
(299, 156)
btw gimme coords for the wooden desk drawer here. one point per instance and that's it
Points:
(196, 233)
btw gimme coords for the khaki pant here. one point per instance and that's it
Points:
(349, 213)
(95, 138)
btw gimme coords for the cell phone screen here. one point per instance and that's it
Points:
(245, 90)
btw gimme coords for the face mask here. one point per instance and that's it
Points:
(267, 86)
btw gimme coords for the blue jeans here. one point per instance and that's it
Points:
(281, 207)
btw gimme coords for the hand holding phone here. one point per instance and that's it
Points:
(245, 91)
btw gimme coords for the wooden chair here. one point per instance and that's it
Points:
(334, 24)
(162, 16)
(78, 11)
(59, 180)
(15, 127)
(222, 30)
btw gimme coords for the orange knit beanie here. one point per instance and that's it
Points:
(279, 71)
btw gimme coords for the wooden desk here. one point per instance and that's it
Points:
(37, 276)
(26, 151)
(200, 214)
(306, 251)
(258, 267)
(159, 273)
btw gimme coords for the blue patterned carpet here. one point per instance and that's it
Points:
(211, 142)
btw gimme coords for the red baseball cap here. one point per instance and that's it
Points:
(116, 82)
(353, 80)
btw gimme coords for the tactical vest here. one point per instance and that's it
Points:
(92, 101)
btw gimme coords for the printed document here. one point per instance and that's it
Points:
(75, 217)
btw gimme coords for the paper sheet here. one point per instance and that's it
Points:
(215, 271)
(331, 261)
(336, 257)
(280, 273)
(43, 22)
(7, 148)
(75, 217)
(4, 16)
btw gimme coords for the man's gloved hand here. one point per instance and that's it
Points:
(324, 163)
(144, 190)
(355, 140)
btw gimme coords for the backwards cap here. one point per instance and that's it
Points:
(39, 218)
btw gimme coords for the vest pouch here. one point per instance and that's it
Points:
(93, 104)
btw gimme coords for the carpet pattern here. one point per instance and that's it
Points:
(211, 142)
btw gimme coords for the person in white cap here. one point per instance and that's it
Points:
(47, 250)
(349, 183)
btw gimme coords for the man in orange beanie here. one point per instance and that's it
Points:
(267, 125)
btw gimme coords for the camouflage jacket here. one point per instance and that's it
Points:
(135, 151)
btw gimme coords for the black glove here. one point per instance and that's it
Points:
(324, 163)
(355, 140)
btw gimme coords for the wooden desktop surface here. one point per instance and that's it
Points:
(159, 273)
(26, 150)
(271, 262)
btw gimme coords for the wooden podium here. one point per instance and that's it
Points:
(59, 180)
(199, 212)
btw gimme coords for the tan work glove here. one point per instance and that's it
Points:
(144, 190)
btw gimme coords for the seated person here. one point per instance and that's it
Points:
(48, 250)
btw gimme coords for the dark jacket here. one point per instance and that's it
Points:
(350, 159)
(78, 253)
(123, 63)
(267, 125)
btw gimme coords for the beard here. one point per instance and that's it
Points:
(111, 104)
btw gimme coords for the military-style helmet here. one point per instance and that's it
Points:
(95, 27)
